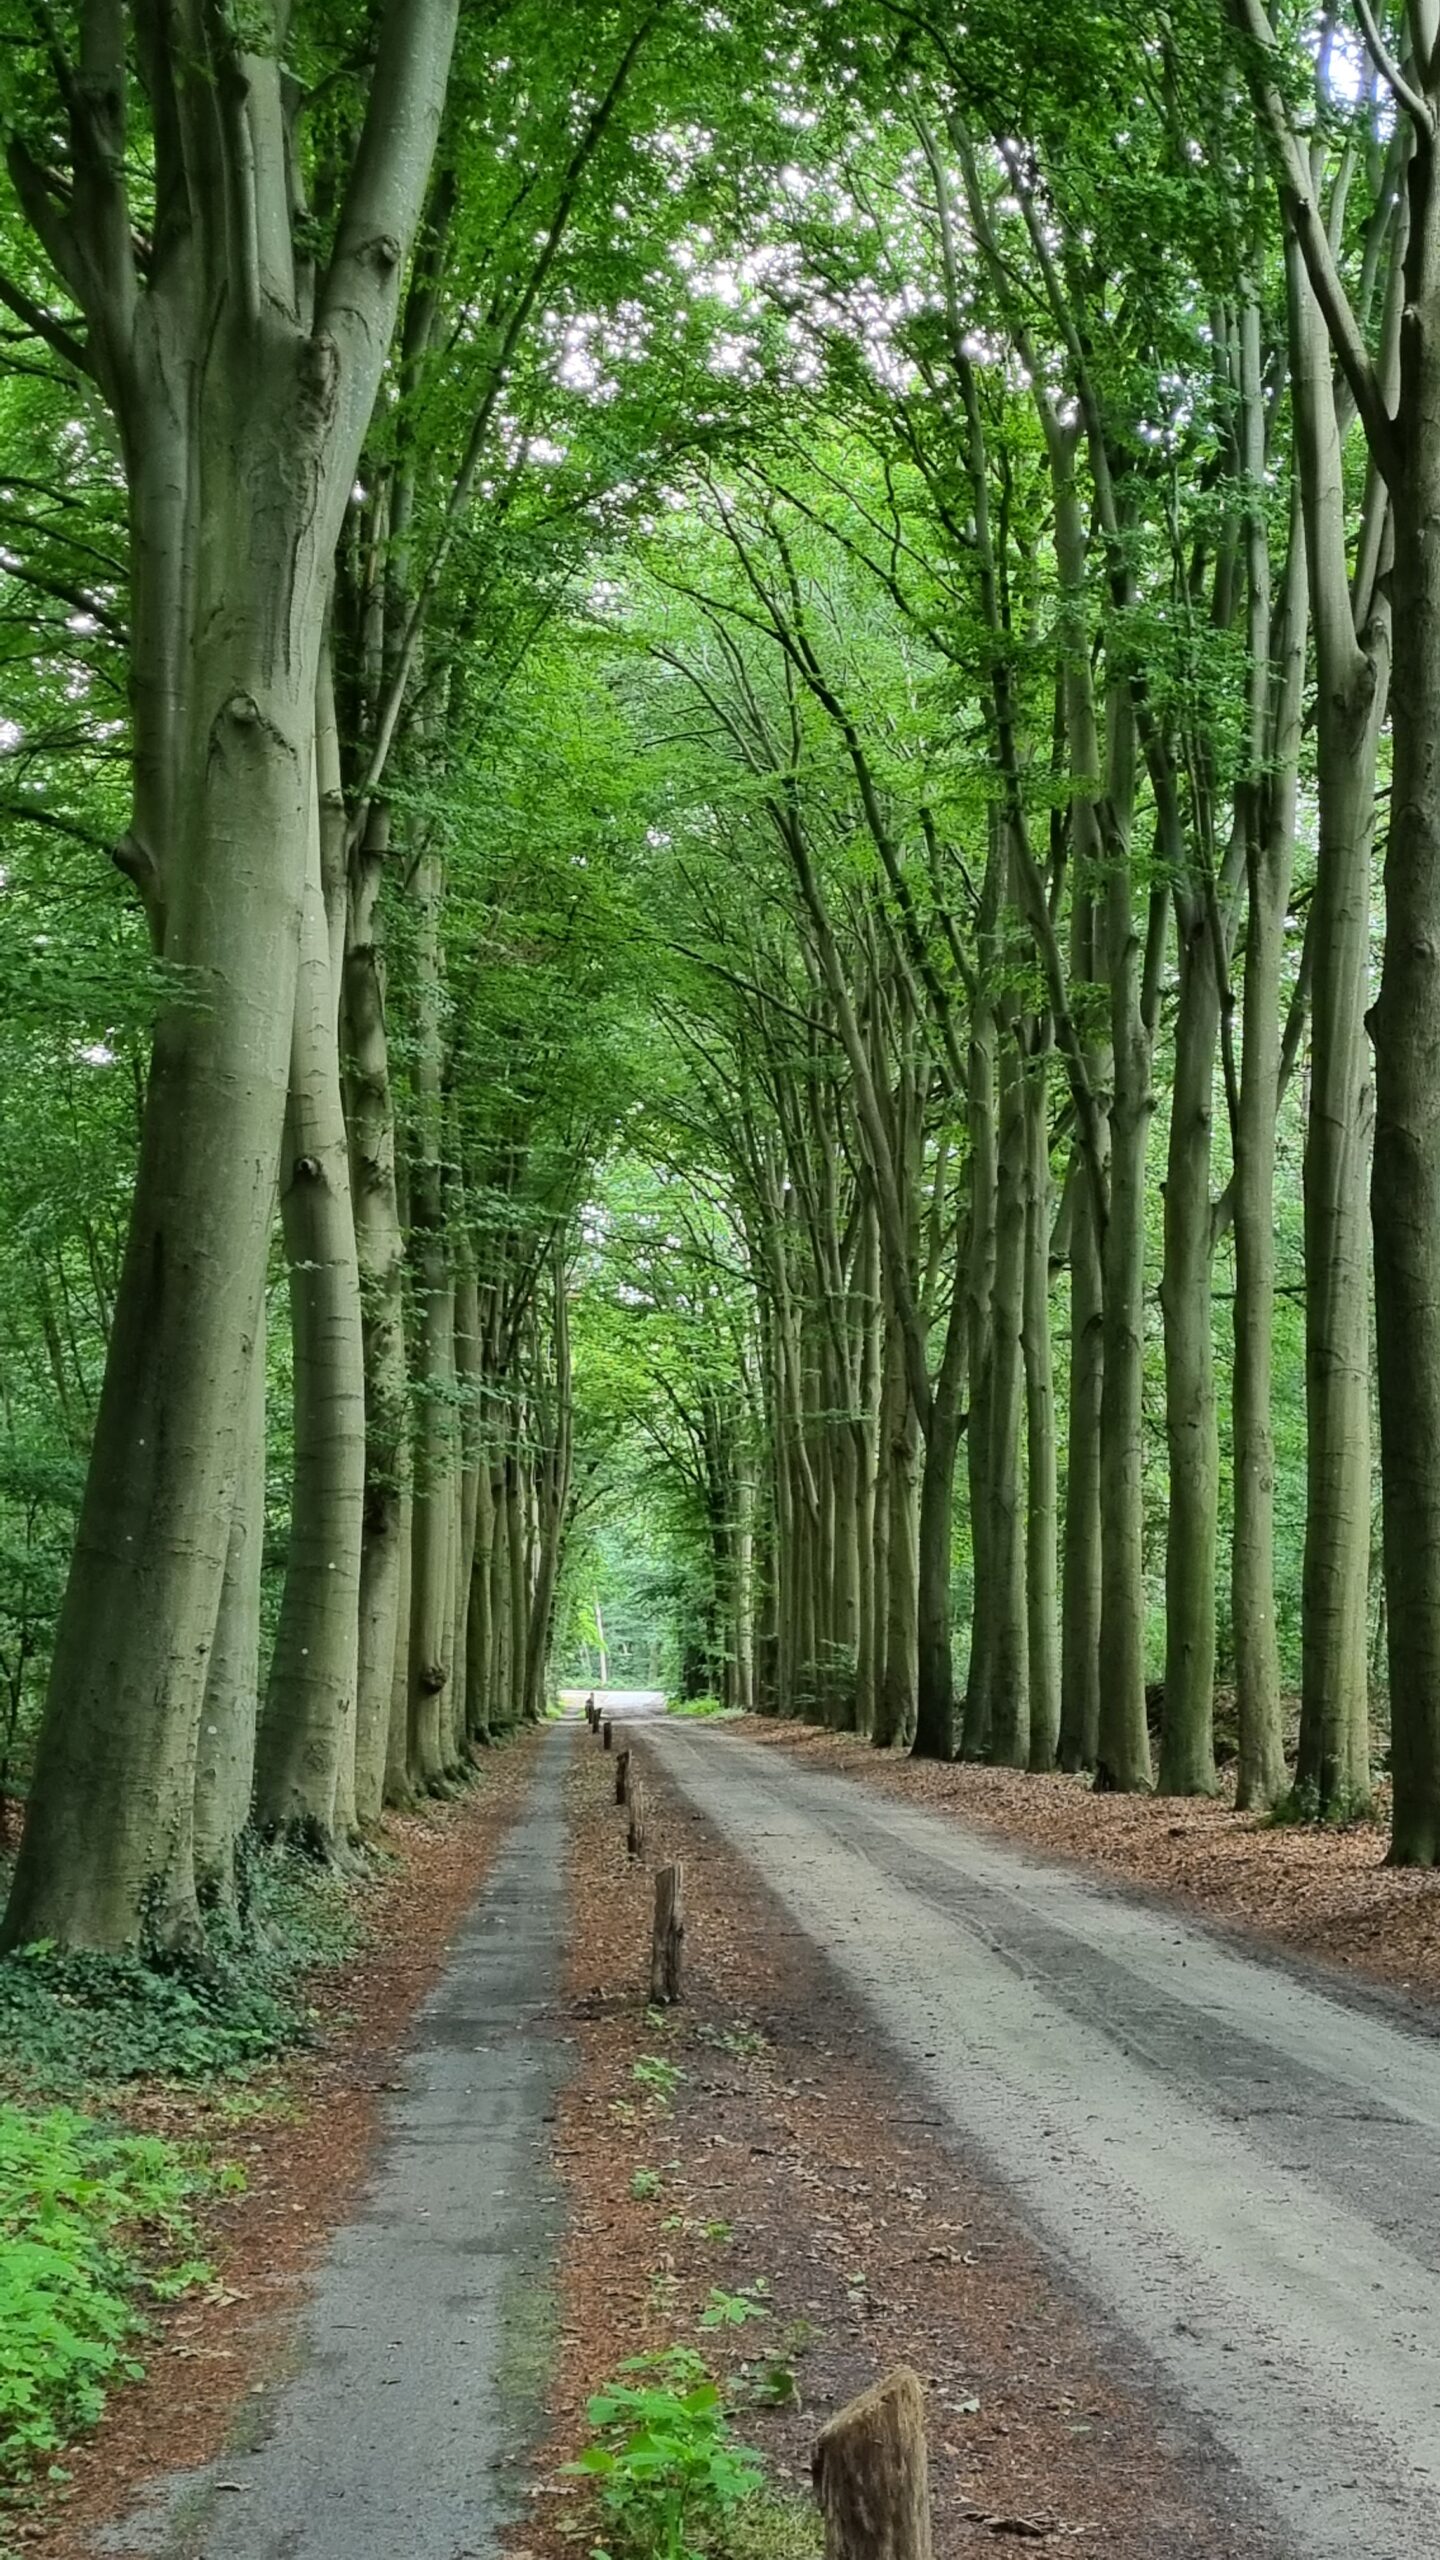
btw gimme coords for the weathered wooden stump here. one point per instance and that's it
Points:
(622, 1777)
(606, 1732)
(591, 1711)
(667, 1941)
(635, 1835)
(872, 2477)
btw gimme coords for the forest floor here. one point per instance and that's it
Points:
(303, 2132)
(1319, 1890)
(1228, 2155)
(1155, 2222)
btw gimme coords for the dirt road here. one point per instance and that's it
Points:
(1236, 2163)
(415, 2383)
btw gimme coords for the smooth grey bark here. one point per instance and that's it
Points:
(433, 1525)
(1008, 1664)
(934, 1667)
(380, 1247)
(480, 1641)
(551, 1493)
(225, 1758)
(980, 1290)
(469, 1374)
(502, 1706)
(1079, 1737)
(398, 1790)
(1123, 1748)
(1269, 820)
(871, 1397)
(897, 1593)
(1333, 1760)
(517, 1508)
(242, 410)
(1042, 1575)
(432, 1519)
(1187, 1743)
(1398, 401)
(305, 1758)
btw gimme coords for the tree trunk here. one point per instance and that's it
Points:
(308, 1726)
(980, 1292)
(1269, 853)
(896, 1706)
(225, 1765)
(241, 414)
(1187, 1737)
(432, 1626)
(1333, 1761)
(1080, 1624)
(398, 1790)
(380, 1246)
(1041, 1494)
(480, 1642)
(1405, 1028)
(1009, 1739)
(1123, 1749)
(469, 1372)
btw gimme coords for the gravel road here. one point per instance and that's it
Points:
(1238, 2165)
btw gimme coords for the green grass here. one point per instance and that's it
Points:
(95, 2224)
(707, 1709)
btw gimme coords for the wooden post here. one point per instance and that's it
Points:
(622, 1777)
(590, 1711)
(635, 1836)
(871, 2474)
(606, 1730)
(667, 1941)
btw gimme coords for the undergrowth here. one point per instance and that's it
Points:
(94, 2224)
(668, 2471)
(706, 1708)
(672, 2481)
(70, 2021)
(1303, 1808)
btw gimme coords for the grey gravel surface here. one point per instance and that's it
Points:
(420, 2366)
(1240, 2167)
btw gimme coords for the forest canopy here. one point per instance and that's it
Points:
(720, 875)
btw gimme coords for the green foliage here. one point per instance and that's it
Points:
(660, 2077)
(702, 1709)
(774, 2385)
(92, 2224)
(70, 2020)
(645, 2184)
(733, 2310)
(741, 2040)
(669, 2472)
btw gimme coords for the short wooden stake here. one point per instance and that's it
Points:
(607, 1729)
(622, 1777)
(667, 1942)
(871, 2474)
(635, 1836)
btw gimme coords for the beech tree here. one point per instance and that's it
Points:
(739, 676)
